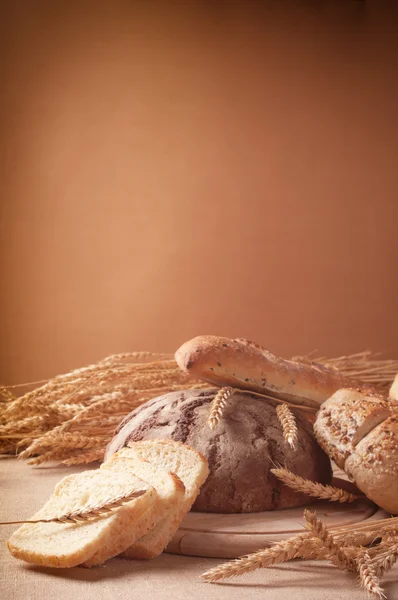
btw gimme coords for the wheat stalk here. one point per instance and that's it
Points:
(289, 425)
(280, 552)
(319, 530)
(312, 488)
(384, 561)
(321, 545)
(218, 405)
(367, 576)
(90, 512)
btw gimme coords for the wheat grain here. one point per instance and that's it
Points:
(289, 425)
(218, 405)
(384, 561)
(367, 576)
(94, 511)
(312, 488)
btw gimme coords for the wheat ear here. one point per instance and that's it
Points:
(94, 511)
(218, 405)
(289, 425)
(280, 552)
(367, 576)
(312, 488)
(384, 561)
(319, 530)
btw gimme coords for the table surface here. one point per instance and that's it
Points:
(169, 577)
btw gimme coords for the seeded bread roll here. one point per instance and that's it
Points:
(374, 465)
(241, 451)
(243, 364)
(345, 419)
(394, 388)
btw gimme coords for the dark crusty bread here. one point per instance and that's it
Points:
(243, 364)
(245, 445)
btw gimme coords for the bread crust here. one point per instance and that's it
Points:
(374, 465)
(243, 364)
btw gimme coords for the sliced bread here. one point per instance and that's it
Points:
(169, 488)
(70, 544)
(190, 466)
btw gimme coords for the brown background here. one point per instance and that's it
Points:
(177, 168)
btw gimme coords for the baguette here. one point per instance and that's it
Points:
(70, 544)
(243, 364)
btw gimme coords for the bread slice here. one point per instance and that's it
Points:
(191, 467)
(169, 487)
(70, 544)
(347, 417)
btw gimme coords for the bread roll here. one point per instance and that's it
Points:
(374, 465)
(394, 388)
(360, 433)
(345, 419)
(246, 365)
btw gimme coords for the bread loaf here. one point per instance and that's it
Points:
(245, 445)
(360, 432)
(243, 364)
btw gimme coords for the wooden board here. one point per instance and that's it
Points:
(230, 536)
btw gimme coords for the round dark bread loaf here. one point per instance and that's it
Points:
(245, 445)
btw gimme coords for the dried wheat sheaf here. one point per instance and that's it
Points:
(351, 547)
(71, 418)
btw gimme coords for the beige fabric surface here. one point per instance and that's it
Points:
(23, 489)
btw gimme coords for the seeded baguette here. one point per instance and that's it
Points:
(243, 364)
